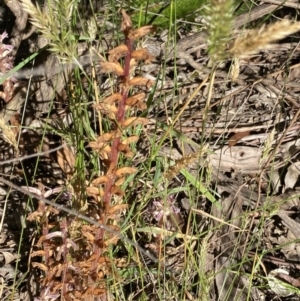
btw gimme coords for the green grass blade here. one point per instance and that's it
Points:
(5, 76)
(200, 187)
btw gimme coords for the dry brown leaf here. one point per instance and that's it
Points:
(92, 191)
(243, 158)
(137, 101)
(132, 100)
(125, 171)
(41, 266)
(131, 121)
(109, 109)
(104, 260)
(125, 149)
(126, 21)
(143, 54)
(34, 216)
(141, 81)
(237, 137)
(117, 190)
(107, 67)
(113, 98)
(116, 53)
(66, 160)
(120, 181)
(93, 291)
(114, 209)
(92, 258)
(103, 149)
(89, 236)
(100, 180)
(88, 228)
(38, 253)
(141, 32)
(106, 137)
(131, 139)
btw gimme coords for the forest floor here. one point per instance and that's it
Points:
(133, 167)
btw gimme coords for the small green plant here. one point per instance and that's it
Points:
(161, 14)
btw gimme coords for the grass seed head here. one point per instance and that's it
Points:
(261, 38)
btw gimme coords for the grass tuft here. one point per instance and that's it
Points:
(54, 23)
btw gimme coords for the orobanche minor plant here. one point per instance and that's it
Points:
(117, 108)
(75, 261)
